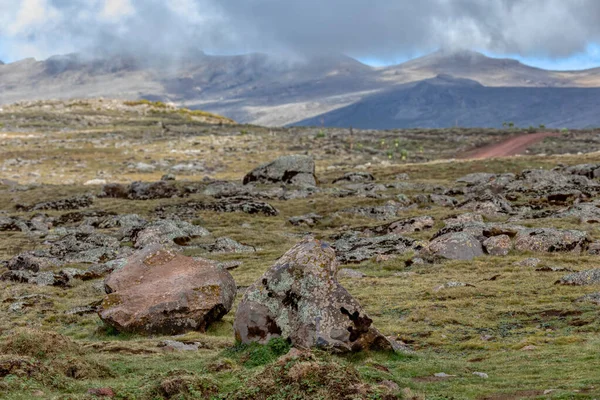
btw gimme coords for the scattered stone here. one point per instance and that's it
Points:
(174, 345)
(71, 203)
(529, 348)
(476, 179)
(592, 297)
(416, 224)
(101, 392)
(554, 269)
(29, 262)
(227, 245)
(152, 190)
(352, 248)
(528, 262)
(402, 177)
(499, 245)
(452, 285)
(232, 204)
(295, 170)
(481, 375)
(443, 375)
(387, 211)
(171, 232)
(456, 246)
(589, 277)
(299, 299)
(355, 177)
(95, 182)
(350, 273)
(168, 177)
(462, 219)
(443, 200)
(160, 291)
(551, 240)
(307, 219)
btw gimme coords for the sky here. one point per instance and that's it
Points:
(552, 34)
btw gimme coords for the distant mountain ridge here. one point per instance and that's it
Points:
(257, 88)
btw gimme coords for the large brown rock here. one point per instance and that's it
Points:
(161, 291)
(299, 299)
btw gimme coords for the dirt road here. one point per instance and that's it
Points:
(509, 147)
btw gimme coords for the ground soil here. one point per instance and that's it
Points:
(509, 147)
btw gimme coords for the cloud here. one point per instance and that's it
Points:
(368, 29)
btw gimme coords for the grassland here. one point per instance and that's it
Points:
(530, 336)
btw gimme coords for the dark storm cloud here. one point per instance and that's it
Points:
(362, 28)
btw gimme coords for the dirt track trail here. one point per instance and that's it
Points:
(509, 147)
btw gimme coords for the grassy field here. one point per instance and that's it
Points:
(530, 336)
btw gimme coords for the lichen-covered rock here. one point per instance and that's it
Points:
(409, 225)
(587, 213)
(355, 177)
(551, 240)
(592, 298)
(227, 245)
(387, 211)
(477, 178)
(294, 169)
(307, 219)
(161, 291)
(171, 232)
(71, 203)
(486, 202)
(29, 262)
(246, 205)
(85, 247)
(583, 278)
(463, 219)
(353, 248)
(300, 300)
(456, 246)
(499, 245)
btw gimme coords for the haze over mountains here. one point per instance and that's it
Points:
(438, 90)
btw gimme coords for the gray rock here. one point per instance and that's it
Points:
(168, 232)
(583, 278)
(355, 177)
(409, 225)
(227, 245)
(387, 211)
(353, 248)
(592, 298)
(231, 204)
(71, 203)
(443, 200)
(499, 245)
(300, 300)
(476, 179)
(179, 346)
(350, 273)
(449, 285)
(308, 219)
(528, 262)
(551, 240)
(456, 246)
(294, 169)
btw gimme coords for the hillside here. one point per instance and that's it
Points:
(261, 89)
(447, 101)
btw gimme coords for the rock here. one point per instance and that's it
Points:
(594, 248)
(152, 190)
(350, 273)
(463, 219)
(551, 240)
(71, 203)
(586, 213)
(443, 375)
(168, 177)
(499, 245)
(391, 386)
(170, 232)
(307, 219)
(355, 177)
(476, 179)
(409, 225)
(402, 177)
(227, 245)
(481, 375)
(352, 248)
(583, 278)
(456, 246)
(528, 262)
(554, 269)
(443, 200)
(29, 262)
(529, 348)
(486, 202)
(83, 247)
(294, 169)
(161, 292)
(101, 392)
(175, 345)
(95, 182)
(592, 297)
(44, 278)
(300, 300)
(231, 204)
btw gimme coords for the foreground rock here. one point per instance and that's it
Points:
(456, 246)
(299, 299)
(295, 170)
(160, 291)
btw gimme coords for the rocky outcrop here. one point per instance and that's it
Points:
(409, 225)
(355, 177)
(552, 240)
(354, 248)
(300, 300)
(168, 232)
(71, 203)
(294, 170)
(161, 291)
(456, 246)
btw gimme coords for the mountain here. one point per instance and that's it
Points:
(446, 101)
(261, 89)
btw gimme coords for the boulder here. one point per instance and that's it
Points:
(355, 177)
(159, 291)
(583, 278)
(243, 204)
(552, 240)
(353, 248)
(409, 225)
(71, 203)
(299, 299)
(307, 219)
(456, 246)
(294, 170)
(171, 232)
(499, 245)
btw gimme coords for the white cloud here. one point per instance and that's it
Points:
(114, 10)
